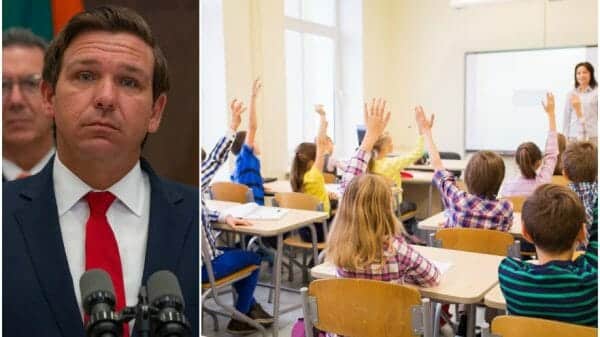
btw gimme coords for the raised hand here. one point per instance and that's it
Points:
(425, 129)
(237, 108)
(423, 123)
(549, 108)
(256, 86)
(376, 116)
(322, 142)
(549, 105)
(320, 109)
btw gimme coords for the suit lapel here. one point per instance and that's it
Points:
(167, 229)
(41, 231)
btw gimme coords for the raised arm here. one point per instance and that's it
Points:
(376, 119)
(551, 151)
(321, 139)
(219, 153)
(425, 126)
(252, 123)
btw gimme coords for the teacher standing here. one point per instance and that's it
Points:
(581, 108)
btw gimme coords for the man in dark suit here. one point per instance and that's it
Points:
(97, 204)
(27, 142)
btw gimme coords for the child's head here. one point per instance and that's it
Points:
(529, 158)
(240, 138)
(381, 148)
(553, 218)
(364, 219)
(562, 144)
(304, 157)
(580, 162)
(484, 174)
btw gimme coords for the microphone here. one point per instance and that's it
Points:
(98, 297)
(164, 294)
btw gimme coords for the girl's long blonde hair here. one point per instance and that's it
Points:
(364, 222)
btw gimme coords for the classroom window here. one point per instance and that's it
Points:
(311, 39)
(318, 51)
(212, 75)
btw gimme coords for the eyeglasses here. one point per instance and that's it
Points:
(28, 85)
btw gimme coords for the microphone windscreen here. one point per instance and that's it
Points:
(95, 280)
(163, 283)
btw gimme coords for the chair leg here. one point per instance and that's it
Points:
(436, 319)
(213, 315)
(304, 267)
(291, 265)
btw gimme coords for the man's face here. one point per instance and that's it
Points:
(102, 102)
(23, 120)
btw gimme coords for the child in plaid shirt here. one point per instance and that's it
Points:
(580, 165)
(365, 240)
(480, 208)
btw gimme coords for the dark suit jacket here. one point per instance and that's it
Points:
(37, 288)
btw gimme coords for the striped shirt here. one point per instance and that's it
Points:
(471, 211)
(558, 290)
(523, 186)
(209, 168)
(402, 264)
(247, 172)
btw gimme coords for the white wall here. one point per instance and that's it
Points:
(254, 47)
(413, 54)
(428, 40)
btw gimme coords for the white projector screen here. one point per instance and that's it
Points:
(504, 90)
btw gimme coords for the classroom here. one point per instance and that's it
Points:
(476, 120)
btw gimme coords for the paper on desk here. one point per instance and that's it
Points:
(252, 211)
(442, 266)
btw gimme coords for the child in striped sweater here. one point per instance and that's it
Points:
(558, 287)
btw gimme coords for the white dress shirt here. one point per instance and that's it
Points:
(11, 170)
(128, 217)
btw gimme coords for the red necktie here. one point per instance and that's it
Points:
(101, 249)
(23, 174)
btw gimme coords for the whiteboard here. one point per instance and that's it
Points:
(504, 90)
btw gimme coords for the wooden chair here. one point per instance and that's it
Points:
(366, 308)
(329, 178)
(228, 191)
(517, 202)
(517, 326)
(307, 202)
(560, 180)
(484, 241)
(212, 287)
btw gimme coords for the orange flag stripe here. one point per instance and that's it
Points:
(62, 11)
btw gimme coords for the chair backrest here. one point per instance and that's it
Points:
(296, 200)
(330, 178)
(359, 307)
(560, 180)
(485, 241)
(517, 202)
(518, 326)
(228, 191)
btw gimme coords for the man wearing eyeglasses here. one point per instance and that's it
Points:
(27, 142)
